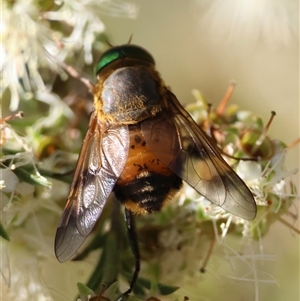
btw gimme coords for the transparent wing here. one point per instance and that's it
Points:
(101, 161)
(180, 144)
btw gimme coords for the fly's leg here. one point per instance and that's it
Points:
(133, 241)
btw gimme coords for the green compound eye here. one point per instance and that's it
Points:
(119, 52)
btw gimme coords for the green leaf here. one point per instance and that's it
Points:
(84, 291)
(163, 289)
(3, 233)
(110, 270)
(31, 178)
(97, 275)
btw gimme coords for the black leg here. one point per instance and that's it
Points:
(133, 241)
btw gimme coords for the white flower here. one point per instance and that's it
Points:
(250, 21)
(31, 48)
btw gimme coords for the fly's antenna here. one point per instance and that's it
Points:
(130, 39)
(108, 42)
(111, 45)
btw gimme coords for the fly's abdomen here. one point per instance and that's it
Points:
(145, 183)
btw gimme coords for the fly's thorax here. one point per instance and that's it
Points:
(130, 94)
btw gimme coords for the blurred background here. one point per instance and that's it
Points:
(205, 45)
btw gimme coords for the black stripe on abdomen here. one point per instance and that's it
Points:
(148, 190)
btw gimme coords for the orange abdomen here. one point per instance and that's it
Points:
(145, 183)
